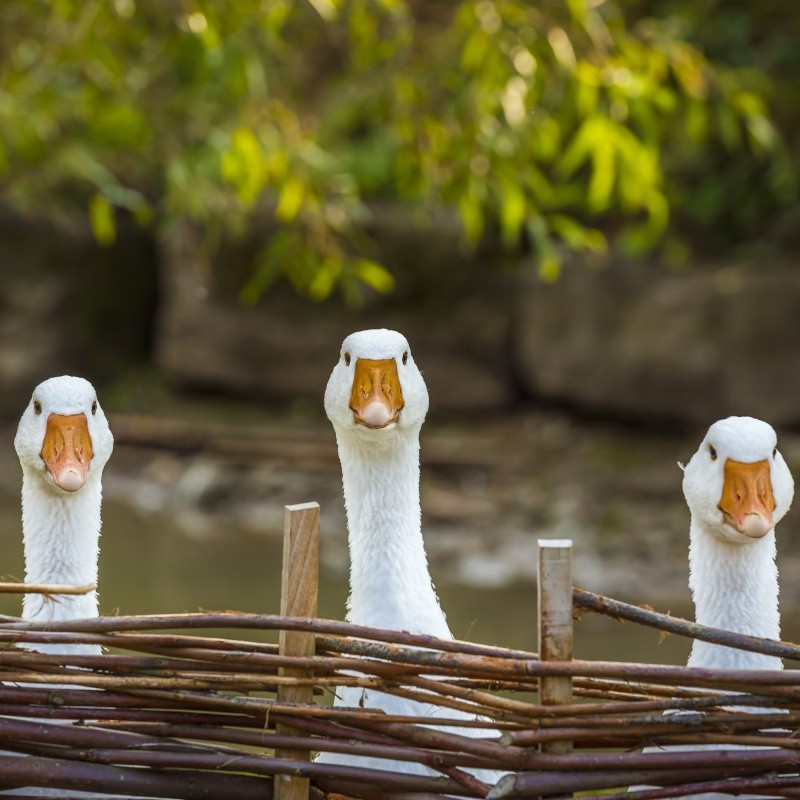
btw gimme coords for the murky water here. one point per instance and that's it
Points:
(148, 565)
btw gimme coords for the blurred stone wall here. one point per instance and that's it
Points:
(69, 306)
(630, 340)
(614, 338)
(285, 347)
(636, 340)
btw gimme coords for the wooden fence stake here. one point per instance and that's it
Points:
(299, 586)
(555, 624)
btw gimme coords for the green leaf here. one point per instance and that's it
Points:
(327, 9)
(244, 166)
(290, 201)
(549, 266)
(579, 150)
(471, 214)
(375, 275)
(513, 210)
(474, 51)
(323, 282)
(576, 235)
(101, 217)
(601, 184)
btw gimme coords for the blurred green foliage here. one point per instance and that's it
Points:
(727, 198)
(559, 124)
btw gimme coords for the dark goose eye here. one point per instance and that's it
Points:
(713, 452)
(347, 359)
(94, 407)
(405, 357)
(37, 407)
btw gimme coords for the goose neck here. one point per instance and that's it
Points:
(390, 583)
(61, 534)
(734, 587)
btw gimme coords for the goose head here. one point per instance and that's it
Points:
(376, 391)
(737, 484)
(63, 436)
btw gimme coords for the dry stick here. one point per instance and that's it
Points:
(123, 716)
(261, 707)
(46, 588)
(136, 641)
(447, 699)
(555, 625)
(665, 622)
(294, 742)
(238, 762)
(638, 768)
(76, 736)
(262, 765)
(487, 666)
(240, 620)
(489, 701)
(574, 763)
(299, 584)
(449, 657)
(607, 723)
(727, 785)
(71, 775)
(403, 659)
(111, 662)
(532, 710)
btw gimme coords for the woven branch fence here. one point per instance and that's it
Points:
(179, 706)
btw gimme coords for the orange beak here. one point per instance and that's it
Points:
(747, 502)
(376, 399)
(67, 450)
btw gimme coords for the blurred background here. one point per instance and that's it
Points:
(582, 213)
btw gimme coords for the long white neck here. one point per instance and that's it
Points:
(61, 535)
(390, 585)
(735, 587)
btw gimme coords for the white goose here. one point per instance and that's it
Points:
(377, 401)
(63, 442)
(738, 487)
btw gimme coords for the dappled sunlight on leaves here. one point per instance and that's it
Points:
(548, 126)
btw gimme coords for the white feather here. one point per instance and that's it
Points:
(61, 530)
(390, 584)
(733, 577)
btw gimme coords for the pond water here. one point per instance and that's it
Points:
(193, 521)
(148, 565)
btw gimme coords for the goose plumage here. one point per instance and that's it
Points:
(377, 400)
(738, 488)
(63, 442)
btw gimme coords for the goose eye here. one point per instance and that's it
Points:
(405, 357)
(713, 452)
(37, 407)
(775, 452)
(347, 359)
(94, 407)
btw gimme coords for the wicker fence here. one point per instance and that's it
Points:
(175, 712)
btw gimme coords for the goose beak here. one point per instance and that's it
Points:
(67, 450)
(747, 502)
(376, 399)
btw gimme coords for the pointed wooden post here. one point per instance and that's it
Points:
(555, 624)
(299, 584)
